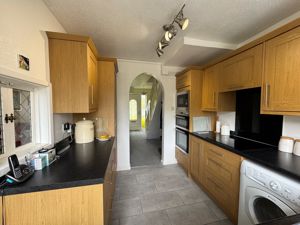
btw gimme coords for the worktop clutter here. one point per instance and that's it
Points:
(239, 108)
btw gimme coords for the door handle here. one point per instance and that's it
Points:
(10, 118)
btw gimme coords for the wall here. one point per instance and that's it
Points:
(136, 125)
(22, 31)
(128, 71)
(58, 120)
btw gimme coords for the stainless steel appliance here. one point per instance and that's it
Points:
(182, 106)
(182, 122)
(182, 140)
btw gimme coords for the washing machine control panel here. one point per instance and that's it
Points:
(276, 184)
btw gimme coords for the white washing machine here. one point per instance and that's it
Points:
(266, 195)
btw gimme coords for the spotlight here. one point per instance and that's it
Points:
(182, 21)
(162, 44)
(159, 52)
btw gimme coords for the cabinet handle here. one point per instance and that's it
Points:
(92, 94)
(267, 95)
(214, 98)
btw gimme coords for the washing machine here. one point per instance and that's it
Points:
(266, 195)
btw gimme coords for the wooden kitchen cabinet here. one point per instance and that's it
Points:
(73, 73)
(182, 159)
(281, 78)
(76, 206)
(196, 159)
(221, 178)
(210, 88)
(242, 71)
(183, 80)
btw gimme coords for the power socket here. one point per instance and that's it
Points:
(67, 127)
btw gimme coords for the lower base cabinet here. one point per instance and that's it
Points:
(84, 205)
(218, 173)
(182, 159)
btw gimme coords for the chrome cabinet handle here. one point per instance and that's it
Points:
(92, 94)
(267, 95)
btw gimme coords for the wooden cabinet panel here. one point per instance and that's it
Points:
(243, 70)
(182, 159)
(183, 80)
(76, 206)
(210, 88)
(281, 92)
(196, 159)
(1, 211)
(73, 74)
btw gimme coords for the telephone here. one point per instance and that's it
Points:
(18, 173)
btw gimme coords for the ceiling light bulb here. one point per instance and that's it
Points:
(184, 23)
(162, 44)
(168, 35)
(159, 52)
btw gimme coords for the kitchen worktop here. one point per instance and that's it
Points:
(263, 154)
(81, 164)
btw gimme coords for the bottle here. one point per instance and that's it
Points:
(218, 125)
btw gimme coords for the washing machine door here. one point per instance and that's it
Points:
(262, 206)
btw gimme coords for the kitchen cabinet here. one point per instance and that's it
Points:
(183, 80)
(73, 73)
(182, 159)
(221, 178)
(281, 79)
(76, 206)
(196, 159)
(210, 88)
(242, 71)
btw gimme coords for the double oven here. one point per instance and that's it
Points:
(182, 121)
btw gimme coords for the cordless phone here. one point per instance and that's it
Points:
(18, 173)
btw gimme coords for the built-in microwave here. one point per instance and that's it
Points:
(182, 140)
(182, 103)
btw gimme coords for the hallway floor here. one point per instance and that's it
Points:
(144, 152)
(162, 195)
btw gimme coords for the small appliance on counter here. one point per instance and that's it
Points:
(50, 155)
(286, 144)
(84, 131)
(225, 130)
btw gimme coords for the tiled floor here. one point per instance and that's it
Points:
(162, 195)
(144, 151)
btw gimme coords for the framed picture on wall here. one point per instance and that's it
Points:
(23, 62)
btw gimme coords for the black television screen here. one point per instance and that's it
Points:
(249, 123)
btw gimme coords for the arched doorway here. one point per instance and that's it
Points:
(145, 121)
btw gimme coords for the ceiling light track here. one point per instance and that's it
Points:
(171, 31)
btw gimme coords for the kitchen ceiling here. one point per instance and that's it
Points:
(131, 29)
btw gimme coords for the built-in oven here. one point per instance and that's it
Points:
(182, 103)
(182, 122)
(182, 139)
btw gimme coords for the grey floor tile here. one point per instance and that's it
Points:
(219, 213)
(137, 190)
(160, 201)
(126, 180)
(152, 218)
(174, 183)
(196, 214)
(192, 195)
(126, 208)
(221, 222)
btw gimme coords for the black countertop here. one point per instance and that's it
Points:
(263, 154)
(82, 164)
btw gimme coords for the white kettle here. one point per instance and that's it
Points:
(84, 131)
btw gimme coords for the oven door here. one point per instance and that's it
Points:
(182, 140)
(182, 122)
(262, 206)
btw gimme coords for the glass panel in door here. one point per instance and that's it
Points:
(266, 210)
(22, 113)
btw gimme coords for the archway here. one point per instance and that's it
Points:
(145, 120)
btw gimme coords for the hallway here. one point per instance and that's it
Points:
(144, 152)
(162, 195)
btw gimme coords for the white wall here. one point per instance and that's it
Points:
(128, 71)
(23, 25)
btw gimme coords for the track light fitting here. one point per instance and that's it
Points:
(171, 31)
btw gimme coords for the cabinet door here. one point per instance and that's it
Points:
(194, 157)
(281, 90)
(210, 88)
(183, 80)
(92, 77)
(243, 70)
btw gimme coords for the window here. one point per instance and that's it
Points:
(133, 110)
(16, 120)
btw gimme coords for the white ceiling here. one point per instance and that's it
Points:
(131, 29)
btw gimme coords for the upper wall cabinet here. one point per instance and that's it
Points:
(73, 73)
(210, 88)
(281, 92)
(183, 80)
(243, 70)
